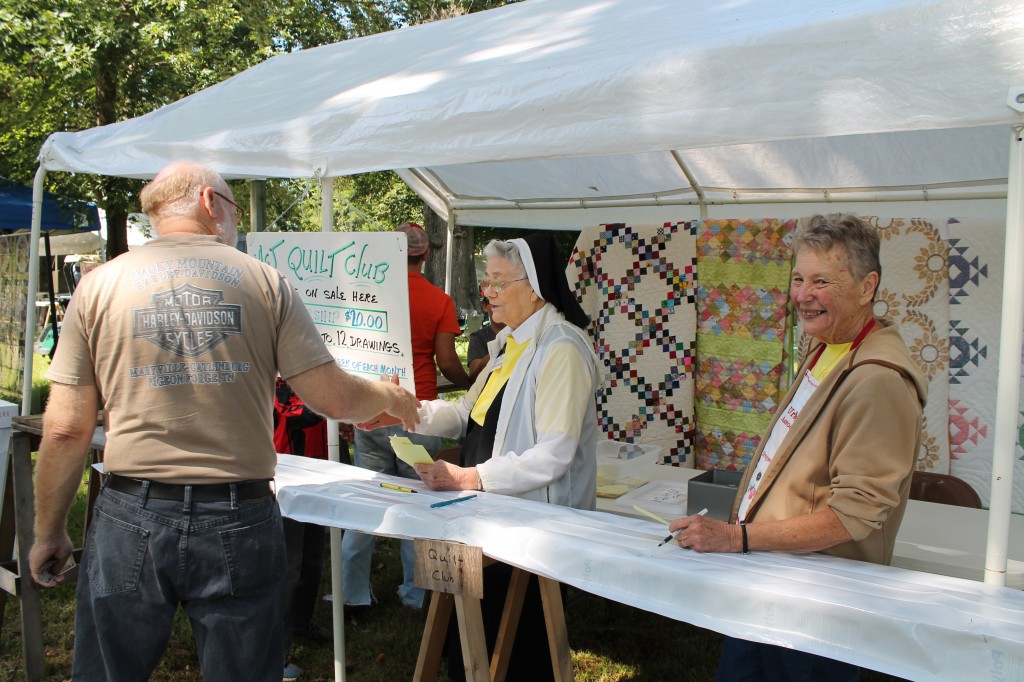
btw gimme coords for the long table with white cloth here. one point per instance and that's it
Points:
(908, 623)
(935, 538)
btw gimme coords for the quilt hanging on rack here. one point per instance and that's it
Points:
(914, 292)
(14, 259)
(638, 285)
(975, 309)
(744, 268)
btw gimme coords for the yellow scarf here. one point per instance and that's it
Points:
(497, 380)
(830, 357)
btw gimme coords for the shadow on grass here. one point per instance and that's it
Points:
(612, 641)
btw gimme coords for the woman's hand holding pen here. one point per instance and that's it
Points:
(702, 534)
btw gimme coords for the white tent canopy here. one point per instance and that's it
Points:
(503, 116)
(562, 102)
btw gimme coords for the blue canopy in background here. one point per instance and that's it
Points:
(60, 214)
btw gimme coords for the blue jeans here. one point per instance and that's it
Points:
(753, 661)
(224, 562)
(373, 451)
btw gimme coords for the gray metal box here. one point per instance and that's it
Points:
(714, 489)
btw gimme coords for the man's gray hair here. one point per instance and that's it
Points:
(174, 193)
(497, 248)
(859, 241)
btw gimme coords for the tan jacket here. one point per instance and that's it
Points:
(853, 448)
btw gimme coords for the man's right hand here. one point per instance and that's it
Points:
(404, 406)
(42, 552)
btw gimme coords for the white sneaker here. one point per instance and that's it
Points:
(292, 672)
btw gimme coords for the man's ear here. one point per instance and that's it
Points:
(206, 201)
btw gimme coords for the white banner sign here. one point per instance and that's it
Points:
(355, 286)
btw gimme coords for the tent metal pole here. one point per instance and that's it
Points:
(257, 205)
(51, 294)
(334, 454)
(1008, 384)
(427, 191)
(448, 249)
(327, 204)
(697, 189)
(33, 286)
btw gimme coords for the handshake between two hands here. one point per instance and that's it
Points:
(403, 409)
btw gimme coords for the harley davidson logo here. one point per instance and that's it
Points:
(187, 321)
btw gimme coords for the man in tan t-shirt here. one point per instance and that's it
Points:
(179, 341)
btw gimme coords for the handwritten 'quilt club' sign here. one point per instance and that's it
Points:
(355, 286)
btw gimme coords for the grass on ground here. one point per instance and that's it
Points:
(610, 642)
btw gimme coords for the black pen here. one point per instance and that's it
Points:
(670, 536)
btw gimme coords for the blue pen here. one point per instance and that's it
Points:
(447, 502)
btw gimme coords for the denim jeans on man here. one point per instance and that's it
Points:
(222, 561)
(373, 451)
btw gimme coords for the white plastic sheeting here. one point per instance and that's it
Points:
(590, 100)
(915, 625)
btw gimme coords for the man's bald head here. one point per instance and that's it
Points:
(177, 193)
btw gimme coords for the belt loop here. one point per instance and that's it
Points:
(144, 493)
(188, 498)
(234, 495)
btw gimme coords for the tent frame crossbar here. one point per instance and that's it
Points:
(825, 196)
(442, 200)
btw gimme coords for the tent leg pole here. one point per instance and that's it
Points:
(327, 204)
(1008, 385)
(33, 286)
(334, 454)
(449, 248)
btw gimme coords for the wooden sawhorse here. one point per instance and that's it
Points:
(17, 526)
(471, 632)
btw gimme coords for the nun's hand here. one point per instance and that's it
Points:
(444, 476)
(380, 421)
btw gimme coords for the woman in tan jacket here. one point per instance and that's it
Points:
(832, 474)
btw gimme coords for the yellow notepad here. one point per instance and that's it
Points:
(650, 515)
(409, 452)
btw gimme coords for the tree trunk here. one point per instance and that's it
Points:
(437, 231)
(117, 231)
(108, 65)
(463, 287)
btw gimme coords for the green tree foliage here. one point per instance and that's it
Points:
(68, 65)
(73, 64)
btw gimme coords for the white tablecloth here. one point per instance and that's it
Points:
(907, 623)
